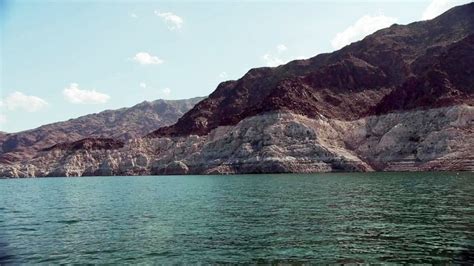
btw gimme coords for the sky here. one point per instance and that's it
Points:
(63, 59)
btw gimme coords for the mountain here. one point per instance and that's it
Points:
(121, 124)
(399, 100)
(354, 82)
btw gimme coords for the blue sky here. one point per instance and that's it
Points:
(64, 59)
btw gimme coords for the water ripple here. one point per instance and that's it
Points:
(326, 218)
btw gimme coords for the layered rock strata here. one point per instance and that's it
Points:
(281, 142)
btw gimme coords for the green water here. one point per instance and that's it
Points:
(377, 217)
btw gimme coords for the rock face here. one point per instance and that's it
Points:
(88, 144)
(121, 124)
(399, 100)
(282, 142)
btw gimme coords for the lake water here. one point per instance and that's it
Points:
(343, 218)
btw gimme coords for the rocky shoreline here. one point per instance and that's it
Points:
(439, 139)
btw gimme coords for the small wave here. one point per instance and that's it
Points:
(69, 221)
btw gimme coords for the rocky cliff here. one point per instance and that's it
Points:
(399, 100)
(278, 142)
(121, 124)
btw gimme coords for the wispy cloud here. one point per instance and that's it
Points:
(301, 57)
(223, 75)
(3, 119)
(75, 95)
(274, 58)
(20, 101)
(166, 91)
(362, 27)
(437, 7)
(145, 58)
(281, 48)
(143, 85)
(173, 21)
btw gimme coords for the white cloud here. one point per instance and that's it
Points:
(274, 58)
(145, 58)
(362, 27)
(437, 7)
(143, 84)
(3, 119)
(223, 75)
(166, 91)
(78, 96)
(133, 15)
(301, 57)
(281, 48)
(19, 101)
(173, 21)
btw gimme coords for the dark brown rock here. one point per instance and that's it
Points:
(425, 64)
(88, 144)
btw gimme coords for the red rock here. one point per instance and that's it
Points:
(424, 64)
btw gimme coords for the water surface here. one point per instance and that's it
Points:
(376, 217)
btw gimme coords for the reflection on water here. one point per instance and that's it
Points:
(377, 217)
